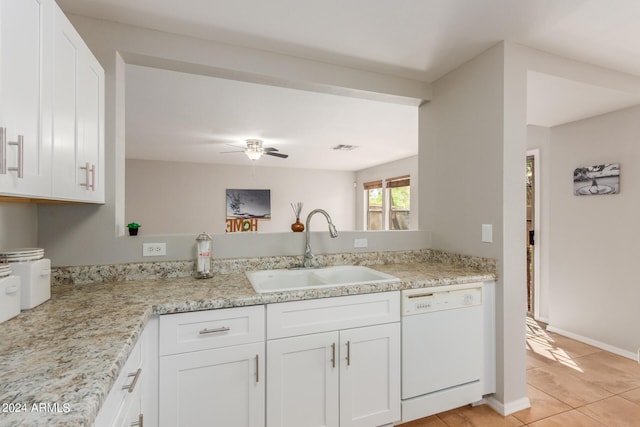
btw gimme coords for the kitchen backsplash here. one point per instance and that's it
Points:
(88, 274)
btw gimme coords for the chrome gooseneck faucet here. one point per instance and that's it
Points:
(308, 255)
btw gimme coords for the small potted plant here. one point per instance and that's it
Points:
(133, 228)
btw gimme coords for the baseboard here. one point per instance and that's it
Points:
(508, 408)
(624, 353)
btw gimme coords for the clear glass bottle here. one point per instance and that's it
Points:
(203, 252)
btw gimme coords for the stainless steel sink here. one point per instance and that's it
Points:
(296, 279)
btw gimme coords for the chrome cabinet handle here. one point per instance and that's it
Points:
(333, 355)
(93, 177)
(348, 353)
(257, 368)
(213, 331)
(137, 423)
(20, 167)
(135, 376)
(90, 176)
(3, 150)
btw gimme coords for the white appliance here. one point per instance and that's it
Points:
(9, 293)
(442, 349)
(34, 272)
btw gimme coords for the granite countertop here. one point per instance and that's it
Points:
(59, 360)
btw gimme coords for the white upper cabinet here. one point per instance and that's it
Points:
(51, 106)
(78, 117)
(25, 97)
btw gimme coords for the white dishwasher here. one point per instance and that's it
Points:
(442, 348)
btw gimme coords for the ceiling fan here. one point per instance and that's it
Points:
(255, 150)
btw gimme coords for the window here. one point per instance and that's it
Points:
(387, 203)
(373, 205)
(399, 202)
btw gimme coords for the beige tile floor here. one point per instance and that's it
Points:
(570, 384)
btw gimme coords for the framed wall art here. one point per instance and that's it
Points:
(246, 207)
(597, 180)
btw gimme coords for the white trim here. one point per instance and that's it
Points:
(624, 353)
(536, 226)
(508, 408)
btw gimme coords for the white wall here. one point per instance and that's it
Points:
(594, 239)
(184, 198)
(18, 225)
(472, 153)
(408, 166)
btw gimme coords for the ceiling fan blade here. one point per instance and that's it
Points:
(271, 153)
(227, 152)
(270, 149)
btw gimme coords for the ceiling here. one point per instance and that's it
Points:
(421, 40)
(198, 117)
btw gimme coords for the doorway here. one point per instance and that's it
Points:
(532, 230)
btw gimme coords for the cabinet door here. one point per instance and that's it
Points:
(303, 381)
(89, 128)
(219, 387)
(131, 412)
(25, 58)
(370, 376)
(78, 99)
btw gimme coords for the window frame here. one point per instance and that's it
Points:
(385, 185)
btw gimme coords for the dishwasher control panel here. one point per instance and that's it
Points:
(425, 300)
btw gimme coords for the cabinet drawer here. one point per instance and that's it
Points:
(330, 314)
(201, 330)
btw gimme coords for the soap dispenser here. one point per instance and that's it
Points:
(203, 251)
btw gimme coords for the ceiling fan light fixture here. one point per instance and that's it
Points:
(253, 154)
(254, 149)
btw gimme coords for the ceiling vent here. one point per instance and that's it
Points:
(343, 147)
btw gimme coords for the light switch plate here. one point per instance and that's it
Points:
(487, 233)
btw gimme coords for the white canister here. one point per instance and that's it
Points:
(9, 297)
(35, 280)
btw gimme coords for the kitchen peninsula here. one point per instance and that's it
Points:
(64, 356)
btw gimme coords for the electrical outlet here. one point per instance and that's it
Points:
(360, 243)
(154, 249)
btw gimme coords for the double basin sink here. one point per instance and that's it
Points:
(314, 278)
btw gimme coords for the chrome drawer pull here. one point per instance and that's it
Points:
(135, 376)
(214, 331)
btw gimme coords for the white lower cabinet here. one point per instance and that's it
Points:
(218, 387)
(331, 362)
(212, 368)
(134, 393)
(303, 381)
(370, 376)
(339, 378)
